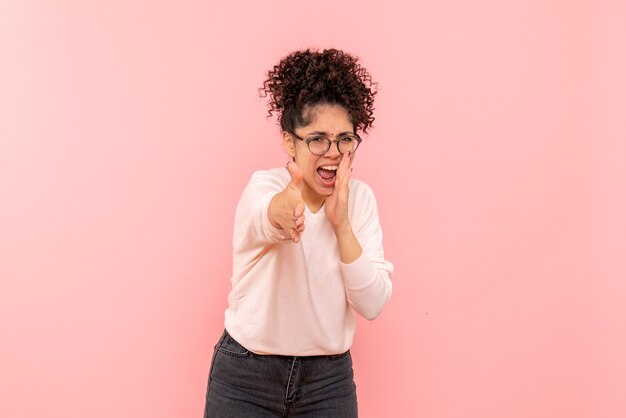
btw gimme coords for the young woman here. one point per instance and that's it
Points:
(307, 253)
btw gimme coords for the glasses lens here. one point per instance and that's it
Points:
(319, 145)
(348, 144)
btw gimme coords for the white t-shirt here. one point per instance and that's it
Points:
(298, 299)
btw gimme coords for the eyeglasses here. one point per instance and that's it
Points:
(319, 145)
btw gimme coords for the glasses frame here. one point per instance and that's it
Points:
(330, 144)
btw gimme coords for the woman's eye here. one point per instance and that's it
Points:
(347, 139)
(316, 139)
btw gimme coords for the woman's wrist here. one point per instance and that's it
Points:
(343, 229)
(349, 247)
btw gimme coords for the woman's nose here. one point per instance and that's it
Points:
(333, 151)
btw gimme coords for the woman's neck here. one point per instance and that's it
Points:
(312, 200)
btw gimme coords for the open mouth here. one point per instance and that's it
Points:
(327, 174)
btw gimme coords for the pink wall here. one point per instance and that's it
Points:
(129, 128)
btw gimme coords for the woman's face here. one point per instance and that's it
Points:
(330, 121)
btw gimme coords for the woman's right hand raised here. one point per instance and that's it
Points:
(286, 210)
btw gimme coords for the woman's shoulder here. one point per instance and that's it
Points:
(363, 207)
(278, 173)
(273, 177)
(362, 199)
(359, 188)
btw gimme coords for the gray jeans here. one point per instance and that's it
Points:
(243, 384)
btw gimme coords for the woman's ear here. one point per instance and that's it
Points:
(288, 144)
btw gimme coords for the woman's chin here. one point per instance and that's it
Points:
(326, 191)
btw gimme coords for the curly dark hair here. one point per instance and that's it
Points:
(304, 79)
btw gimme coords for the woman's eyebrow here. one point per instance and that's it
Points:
(326, 133)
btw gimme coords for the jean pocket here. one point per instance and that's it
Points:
(335, 357)
(231, 347)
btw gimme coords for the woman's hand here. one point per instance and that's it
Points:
(286, 210)
(336, 205)
(336, 209)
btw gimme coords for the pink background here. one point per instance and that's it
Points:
(129, 128)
